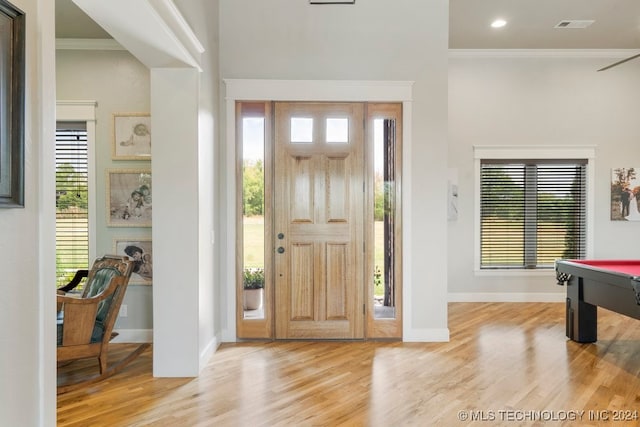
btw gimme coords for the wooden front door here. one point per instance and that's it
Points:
(319, 220)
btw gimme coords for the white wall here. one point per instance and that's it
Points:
(538, 99)
(175, 218)
(27, 306)
(183, 108)
(119, 83)
(371, 40)
(203, 20)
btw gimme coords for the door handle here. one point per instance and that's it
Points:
(280, 250)
(280, 236)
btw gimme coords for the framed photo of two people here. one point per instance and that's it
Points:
(625, 194)
(129, 193)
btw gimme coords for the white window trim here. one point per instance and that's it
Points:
(85, 111)
(531, 152)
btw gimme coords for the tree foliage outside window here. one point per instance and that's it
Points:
(253, 188)
(72, 190)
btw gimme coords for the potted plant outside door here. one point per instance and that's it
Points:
(253, 283)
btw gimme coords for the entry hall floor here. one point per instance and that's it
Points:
(506, 364)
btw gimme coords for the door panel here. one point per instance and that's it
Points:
(336, 270)
(338, 191)
(319, 185)
(302, 295)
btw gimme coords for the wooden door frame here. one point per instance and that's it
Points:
(306, 91)
(377, 328)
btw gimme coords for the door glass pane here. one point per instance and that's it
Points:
(384, 219)
(301, 130)
(253, 216)
(337, 131)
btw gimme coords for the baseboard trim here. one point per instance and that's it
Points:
(426, 335)
(208, 351)
(506, 297)
(133, 335)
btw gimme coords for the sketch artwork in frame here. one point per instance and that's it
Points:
(625, 194)
(129, 197)
(141, 252)
(131, 136)
(12, 105)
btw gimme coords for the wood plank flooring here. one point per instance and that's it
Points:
(506, 364)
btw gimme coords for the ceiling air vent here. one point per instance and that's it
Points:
(573, 23)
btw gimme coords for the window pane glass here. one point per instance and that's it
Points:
(253, 216)
(532, 213)
(384, 219)
(301, 130)
(337, 131)
(72, 195)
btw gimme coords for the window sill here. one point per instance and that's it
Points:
(515, 273)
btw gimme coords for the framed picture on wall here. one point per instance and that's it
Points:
(12, 105)
(128, 197)
(131, 136)
(625, 193)
(141, 252)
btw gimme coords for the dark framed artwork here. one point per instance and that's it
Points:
(129, 197)
(12, 95)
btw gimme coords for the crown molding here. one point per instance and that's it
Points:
(542, 53)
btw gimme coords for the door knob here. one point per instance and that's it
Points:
(280, 236)
(280, 250)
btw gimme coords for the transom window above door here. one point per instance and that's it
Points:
(336, 130)
(302, 130)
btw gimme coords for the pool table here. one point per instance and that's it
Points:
(610, 284)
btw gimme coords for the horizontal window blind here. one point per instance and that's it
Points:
(532, 213)
(72, 220)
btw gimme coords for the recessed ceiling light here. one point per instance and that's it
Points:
(498, 23)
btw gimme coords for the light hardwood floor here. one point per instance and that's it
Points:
(505, 364)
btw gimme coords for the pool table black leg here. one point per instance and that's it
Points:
(581, 317)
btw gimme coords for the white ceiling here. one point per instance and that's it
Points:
(530, 24)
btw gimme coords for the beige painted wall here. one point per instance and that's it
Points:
(538, 100)
(118, 83)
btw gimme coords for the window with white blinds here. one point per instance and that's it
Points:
(72, 220)
(532, 212)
